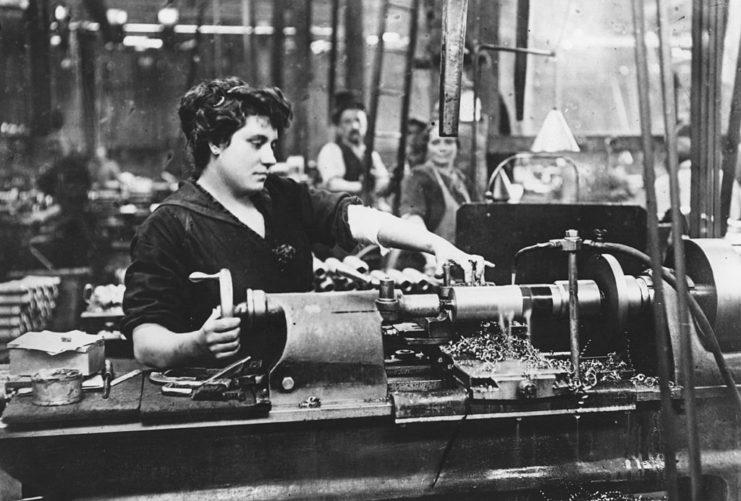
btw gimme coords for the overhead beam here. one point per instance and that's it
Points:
(451, 64)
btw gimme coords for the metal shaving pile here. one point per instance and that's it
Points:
(493, 344)
(597, 371)
(619, 496)
(579, 494)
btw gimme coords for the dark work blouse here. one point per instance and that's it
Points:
(191, 231)
(422, 195)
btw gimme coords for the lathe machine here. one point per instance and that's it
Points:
(473, 348)
(471, 352)
(543, 390)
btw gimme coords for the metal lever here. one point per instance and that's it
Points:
(226, 370)
(571, 244)
(226, 290)
(211, 388)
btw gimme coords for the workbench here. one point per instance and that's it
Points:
(354, 452)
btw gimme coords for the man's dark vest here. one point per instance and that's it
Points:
(353, 165)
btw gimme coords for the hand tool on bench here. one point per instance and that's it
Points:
(107, 378)
(210, 387)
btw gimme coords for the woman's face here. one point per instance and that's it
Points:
(243, 164)
(441, 151)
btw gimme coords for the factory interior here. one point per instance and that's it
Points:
(511, 266)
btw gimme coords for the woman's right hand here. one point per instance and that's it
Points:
(220, 336)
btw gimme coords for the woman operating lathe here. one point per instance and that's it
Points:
(233, 214)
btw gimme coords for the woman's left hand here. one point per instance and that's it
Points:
(472, 264)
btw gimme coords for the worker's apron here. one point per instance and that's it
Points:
(446, 227)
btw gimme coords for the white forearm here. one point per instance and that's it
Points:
(381, 228)
(386, 230)
(408, 235)
(157, 346)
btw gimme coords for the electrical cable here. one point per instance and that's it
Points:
(526, 250)
(448, 448)
(704, 328)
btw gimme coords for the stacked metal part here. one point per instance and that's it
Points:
(105, 298)
(352, 273)
(26, 305)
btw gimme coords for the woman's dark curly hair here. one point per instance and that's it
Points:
(213, 110)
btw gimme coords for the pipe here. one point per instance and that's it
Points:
(574, 314)
(687, 363)
(516, 50)
(522, 34)
(572, 243)
(527, 250)
(368, 192)
(730, 148)
(332, 67)
(663, 355)
(401, 152)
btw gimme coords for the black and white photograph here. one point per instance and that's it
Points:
(370, 250)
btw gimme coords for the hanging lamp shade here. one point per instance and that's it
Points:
(501, 189)
(555, 135)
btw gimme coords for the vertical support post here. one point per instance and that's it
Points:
(370, 136)
(354, 47)
(279, 43)
(718, 31)
(572, 244)
(708, 29)
(523, 22)
(302, 20)
(276, 60)
(218, 54)
(663, 349)
(332, 76)
(455, 13)
(697, 112)
(37, 18)
(475, 77)
(487, 86)
(194, 56)
(401, 152)
(686, 362)
(730, 147)
(87, 40)
(248, 40)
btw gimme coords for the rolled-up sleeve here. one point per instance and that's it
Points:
(325, 216)
(156, 279)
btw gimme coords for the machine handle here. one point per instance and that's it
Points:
(226, 290)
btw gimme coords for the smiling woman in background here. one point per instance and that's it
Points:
(431, 195)
(433, 192)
